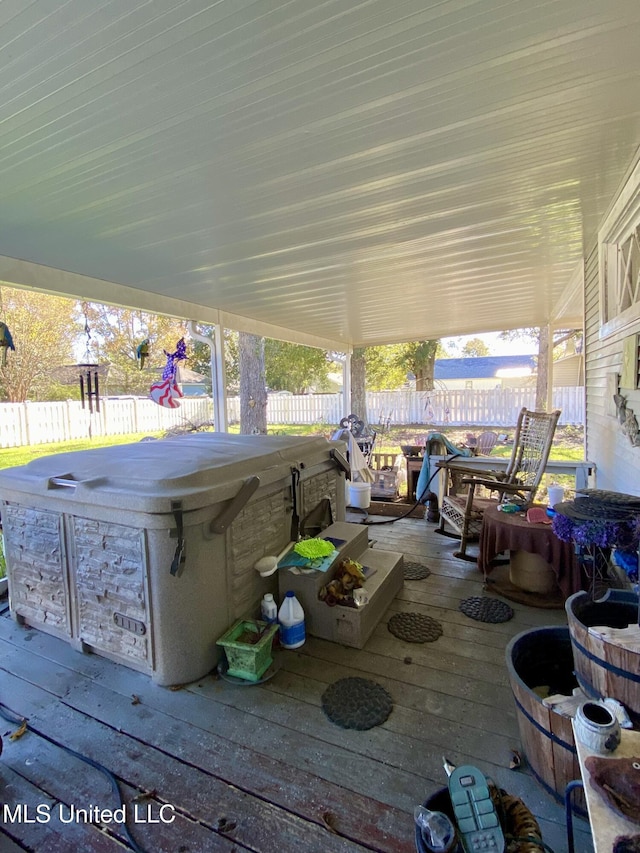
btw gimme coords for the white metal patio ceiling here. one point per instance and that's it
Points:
(328, 171)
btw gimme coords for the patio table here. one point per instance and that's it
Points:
(503, 531)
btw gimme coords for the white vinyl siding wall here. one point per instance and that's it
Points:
(617, 460)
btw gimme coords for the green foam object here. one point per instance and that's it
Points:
(313, 548)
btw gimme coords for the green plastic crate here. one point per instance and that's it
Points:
(247, 660)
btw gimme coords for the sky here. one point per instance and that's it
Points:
(522, 346)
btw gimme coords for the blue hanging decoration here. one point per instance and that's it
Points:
(6, 342)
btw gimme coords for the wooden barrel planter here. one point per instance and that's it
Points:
(605, 666)
(541, 658)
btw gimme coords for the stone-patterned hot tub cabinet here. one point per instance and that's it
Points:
(91, 538)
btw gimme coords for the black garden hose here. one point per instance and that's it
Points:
(12, 718)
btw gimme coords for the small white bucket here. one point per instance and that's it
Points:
(360, 495)
(555, 495)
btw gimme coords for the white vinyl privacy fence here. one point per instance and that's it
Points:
(43, 423)
(489, 407)
(495, 407)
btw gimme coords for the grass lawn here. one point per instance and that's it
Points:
(568, 443)
(12, 456)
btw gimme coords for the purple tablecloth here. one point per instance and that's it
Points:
(503, 531)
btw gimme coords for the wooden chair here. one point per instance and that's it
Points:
(521, 479)
(481, 445)
(486, 442)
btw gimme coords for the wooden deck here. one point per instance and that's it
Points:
(261, 768)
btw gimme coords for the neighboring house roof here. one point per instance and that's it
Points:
(483, 367)
(184, 375)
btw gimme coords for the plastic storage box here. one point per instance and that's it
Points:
(385, 485)
(350, 626)
(144, 552)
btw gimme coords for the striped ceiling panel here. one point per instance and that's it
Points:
(331, 171)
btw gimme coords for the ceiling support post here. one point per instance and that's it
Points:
(215, 342)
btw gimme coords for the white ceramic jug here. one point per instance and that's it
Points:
(597, 727)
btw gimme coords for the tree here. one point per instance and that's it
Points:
(529, 334)
(232, 361)
(293, 367)
(420, 358)
(384, 367)
(540, 335)
(474, 348)
(542, 378)
(114, 335)
(43, 330)
(392, 362)
(288, 367)
(253, 387)
(358, 383)
(200, 360)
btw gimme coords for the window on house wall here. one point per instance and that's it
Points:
(468, 384)
(620, 260)
(622, 277)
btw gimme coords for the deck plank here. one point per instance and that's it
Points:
(418, 687)
(7, 844)
(226, 758)
(411, 724)
(44, 831)
(268, 751)
(201, 811)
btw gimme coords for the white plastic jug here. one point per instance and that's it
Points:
(291, 619)
(268, 608)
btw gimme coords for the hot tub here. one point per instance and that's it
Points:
(144, 553)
